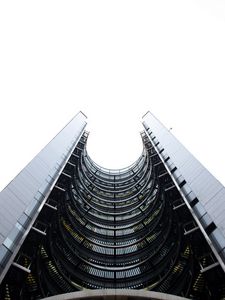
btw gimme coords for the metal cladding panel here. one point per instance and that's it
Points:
(192, 168)
(23, 195)
(10, 206)
(205, 186)
(218, 205)
(23, 186)
(36, 168)
(209, 191)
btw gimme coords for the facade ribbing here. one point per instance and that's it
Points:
(133, 228)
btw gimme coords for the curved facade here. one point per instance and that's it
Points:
(118, 294)
(114, 229)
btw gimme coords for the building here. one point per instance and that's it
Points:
(154, 230)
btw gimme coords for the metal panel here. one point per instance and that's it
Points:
(22, 197)
(205, 186)
(209, 191)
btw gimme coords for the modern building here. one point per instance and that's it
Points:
(71, 229)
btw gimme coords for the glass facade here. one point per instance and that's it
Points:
(115, 229)
(23, 198)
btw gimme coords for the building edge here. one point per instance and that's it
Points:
(23, 198)
(202, 193)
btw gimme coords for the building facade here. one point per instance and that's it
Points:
(153, 230)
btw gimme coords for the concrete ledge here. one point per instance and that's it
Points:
(115, 294)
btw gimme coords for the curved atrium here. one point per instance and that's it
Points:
(114, 229)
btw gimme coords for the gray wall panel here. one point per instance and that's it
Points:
(23, 195)
(1, 237)
(209, 191)
(22, 189)
(5, 225)
(36, 169)
(205, 186)
(216, 205)
(10, 202)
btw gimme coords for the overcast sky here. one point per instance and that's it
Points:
(114, 60)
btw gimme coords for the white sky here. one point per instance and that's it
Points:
(114, 60)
